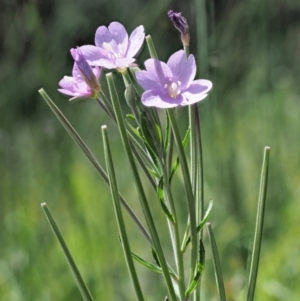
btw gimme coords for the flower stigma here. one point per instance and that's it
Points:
(173, 89)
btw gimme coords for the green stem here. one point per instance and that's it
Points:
(217, 264)
(80, 283)
(189, 193)
(259, 225)
(119, 216)
(81, 144)
(139, 187)
(174, 233)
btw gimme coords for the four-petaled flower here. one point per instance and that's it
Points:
(113, 48)
(84, 82)
(172, 84)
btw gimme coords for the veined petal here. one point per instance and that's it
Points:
(136, 40)
(120, 36)
(200, 86)
(124, 62)
(102, 36)
(184, 70)
(92, 54)
(148, 81)
(190, 99)
(159, 70)
(68, 82)
(154, 98)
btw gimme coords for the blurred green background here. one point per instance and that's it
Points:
(252, 55)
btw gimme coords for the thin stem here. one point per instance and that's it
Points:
(259, 225)
(189, 192)
(81, 144)
(80, 282)
(139, 187)
(174, 233)
(119, 216)
(217, 264)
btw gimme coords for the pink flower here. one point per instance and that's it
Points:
(172, 84)
(113, 48)
(84, 82)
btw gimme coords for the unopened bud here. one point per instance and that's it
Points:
(180, 23)
(86, 70)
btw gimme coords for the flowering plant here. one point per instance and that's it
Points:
(155, 150)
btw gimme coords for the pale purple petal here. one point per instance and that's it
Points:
(184, 70)
(120, 36)
(136, 40)
(190, 99)
(106, 63)
(93, 54)
(148, 81)
(154, 98)
(200, 86)
(124, 62)
(197, 91)
(68, 83)
(76, 73)
(159, 70)
(102, 36)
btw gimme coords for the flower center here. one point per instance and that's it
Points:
(173, 89)
(111, 53)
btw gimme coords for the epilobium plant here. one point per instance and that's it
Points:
(150, 148)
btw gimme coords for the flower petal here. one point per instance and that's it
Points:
(197, 91)
(200, 86)
(136, 40)
(68, 82)
(159, 70)
(102, 36)
(93, 54)
(190, 99)
(154, 98)
(120, 36)
(148, 80)
(184, 70)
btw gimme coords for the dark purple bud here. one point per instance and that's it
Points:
(180, 23)
(85, 69)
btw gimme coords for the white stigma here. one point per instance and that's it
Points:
(173, 89)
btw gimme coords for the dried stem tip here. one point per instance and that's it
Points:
(181, 24)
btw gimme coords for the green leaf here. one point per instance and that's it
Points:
(194, 282)
(176, 164)
(160, 192)
(217, 264)
(131, 116)
(200, 226)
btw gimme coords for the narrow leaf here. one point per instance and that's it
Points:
(81, 144)
(259, 225)
(217, 264)
(200, 226)
(119, 216)
(80, 283)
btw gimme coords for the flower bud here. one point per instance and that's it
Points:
(86, 70)
(180, 23)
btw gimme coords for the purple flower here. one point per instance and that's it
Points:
(76, 85)
(172, 84)
(113, 48)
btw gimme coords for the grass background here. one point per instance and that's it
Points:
(251, 55)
